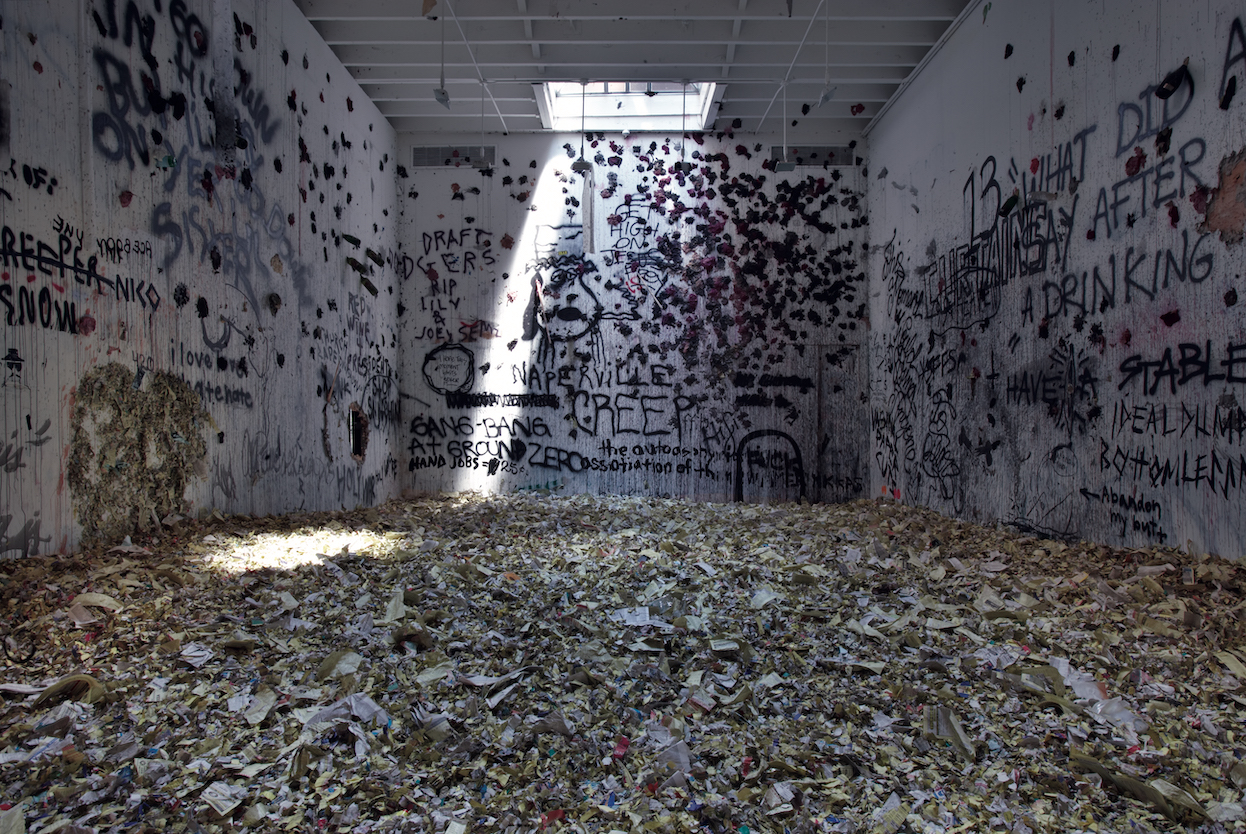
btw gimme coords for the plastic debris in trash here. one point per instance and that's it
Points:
(631, 664)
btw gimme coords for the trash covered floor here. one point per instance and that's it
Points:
(533, 662)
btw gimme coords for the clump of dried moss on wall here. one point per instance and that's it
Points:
(137, 441)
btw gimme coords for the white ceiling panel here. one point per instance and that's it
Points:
(864, 50)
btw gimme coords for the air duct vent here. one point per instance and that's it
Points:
(453, 156)
(817, 157)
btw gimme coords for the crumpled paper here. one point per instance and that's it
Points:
(526, 662)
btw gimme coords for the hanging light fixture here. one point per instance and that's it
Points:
(480, 162)
(828, 92)
(585, 169)
(440, 95)
(581, 165)
(783, 164)
(681, 165)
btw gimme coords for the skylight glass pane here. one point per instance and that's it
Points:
(624, 105)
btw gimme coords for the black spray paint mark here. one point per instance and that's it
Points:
(178, 102)
(1228, 84)
(1163, 140)
(1230, 90)
(5, 116)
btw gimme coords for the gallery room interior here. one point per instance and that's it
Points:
(733, 416)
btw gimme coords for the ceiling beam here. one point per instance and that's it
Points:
(630, 32)
(944, 10)
(736, 25)
(829, 132)
(527, 31)
(651, 63)
(375, 77)
(741, 92)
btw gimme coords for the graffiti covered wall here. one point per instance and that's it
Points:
(198, 278)
(1057, 337)
(636, 328)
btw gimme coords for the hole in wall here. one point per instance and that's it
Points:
(357, 425)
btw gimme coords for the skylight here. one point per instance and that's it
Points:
(627, 105)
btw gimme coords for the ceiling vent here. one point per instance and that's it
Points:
(453, 156)
(817, 157)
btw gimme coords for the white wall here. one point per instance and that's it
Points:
(182, 327)
(718, 322)
(1075, 368)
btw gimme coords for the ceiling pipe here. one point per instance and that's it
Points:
(828, 92)
(479, 73)
(812, 19)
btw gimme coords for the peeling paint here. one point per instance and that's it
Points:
(1226, 208)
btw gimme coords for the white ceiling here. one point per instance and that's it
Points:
(751, 46)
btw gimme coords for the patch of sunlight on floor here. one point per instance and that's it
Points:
(285, 551)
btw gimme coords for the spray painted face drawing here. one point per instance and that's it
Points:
(566, 304)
